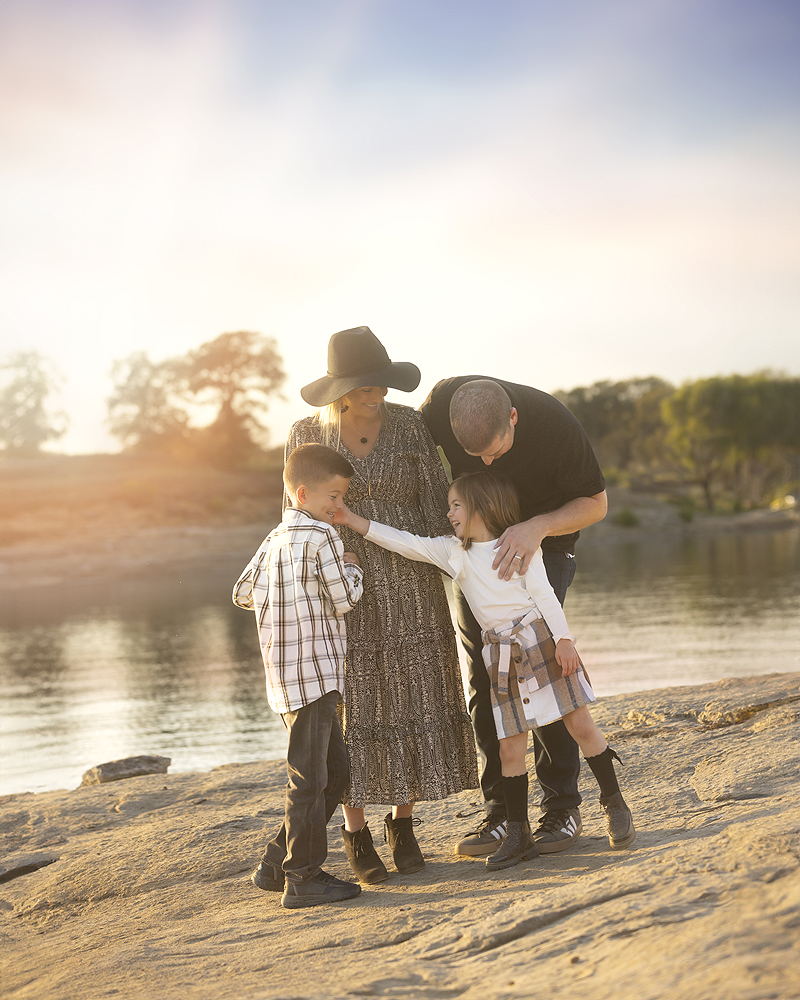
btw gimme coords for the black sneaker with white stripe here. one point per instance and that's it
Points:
(557, 830)
(485, 840)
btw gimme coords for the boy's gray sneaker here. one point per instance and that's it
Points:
(268, 876)
(557, 830)
(485, 840)
(621, 831)
(320, 888)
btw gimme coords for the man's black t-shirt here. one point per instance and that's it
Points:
(551, 461)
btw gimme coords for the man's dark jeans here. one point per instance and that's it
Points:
(319, 772)
(555, 751)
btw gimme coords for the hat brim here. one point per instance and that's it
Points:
(402, 375)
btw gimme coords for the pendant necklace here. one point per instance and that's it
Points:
(369, 478)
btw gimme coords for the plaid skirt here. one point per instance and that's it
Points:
(528, 690)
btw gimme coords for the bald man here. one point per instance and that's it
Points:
(539, 445)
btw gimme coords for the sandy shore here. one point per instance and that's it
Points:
(140, 889)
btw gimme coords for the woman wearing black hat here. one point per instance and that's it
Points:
(404, 718)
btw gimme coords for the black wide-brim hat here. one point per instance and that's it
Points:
(356, 357)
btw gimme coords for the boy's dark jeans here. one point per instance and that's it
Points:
(319, 772)
(556, 753)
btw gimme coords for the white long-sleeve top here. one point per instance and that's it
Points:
(494, 602)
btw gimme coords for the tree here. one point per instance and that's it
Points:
(145, 409)
(621, 419)
(739, 431)
(26, 380)
(236, 373)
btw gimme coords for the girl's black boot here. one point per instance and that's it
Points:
(518, 846)
(399, 834)
(621, 831)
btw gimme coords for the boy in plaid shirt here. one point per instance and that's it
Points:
(301, 583)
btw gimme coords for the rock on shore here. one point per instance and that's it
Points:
(140, 888)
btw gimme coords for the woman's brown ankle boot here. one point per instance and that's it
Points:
(399, 833)
(364, 859)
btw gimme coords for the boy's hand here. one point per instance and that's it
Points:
(567, 657)
(351, 557)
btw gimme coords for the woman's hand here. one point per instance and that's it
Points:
(351, 557)
(567, 657)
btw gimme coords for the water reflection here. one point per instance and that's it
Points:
(688, 611)
(170, 666)
(154, 666)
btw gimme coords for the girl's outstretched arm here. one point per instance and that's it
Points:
(346, 517)
(421, 549)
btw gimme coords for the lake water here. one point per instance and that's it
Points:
(169, 666)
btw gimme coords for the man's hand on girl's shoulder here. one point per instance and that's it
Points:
(516, 547)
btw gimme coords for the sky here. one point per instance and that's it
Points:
(552, 193)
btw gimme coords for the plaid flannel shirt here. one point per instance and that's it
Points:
(300, 588)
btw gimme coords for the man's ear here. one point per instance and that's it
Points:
(301, 494)
(514, 415)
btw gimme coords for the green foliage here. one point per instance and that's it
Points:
(739, 432)
(622, 420)
(686, 510)
(736, 437)
(26, 380)
(626, 518)
(147, 407)
(236, 373)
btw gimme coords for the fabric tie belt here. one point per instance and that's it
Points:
(514, 638)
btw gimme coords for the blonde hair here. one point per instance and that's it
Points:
(329, 419)
(490, 495)
(480, 411)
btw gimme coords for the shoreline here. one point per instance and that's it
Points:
(77, 519)
(620, 698)
(128, 552)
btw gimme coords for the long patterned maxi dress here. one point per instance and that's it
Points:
(404, 718)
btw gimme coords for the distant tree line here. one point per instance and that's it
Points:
(27, 379)
(152, 404)
(735, 438)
